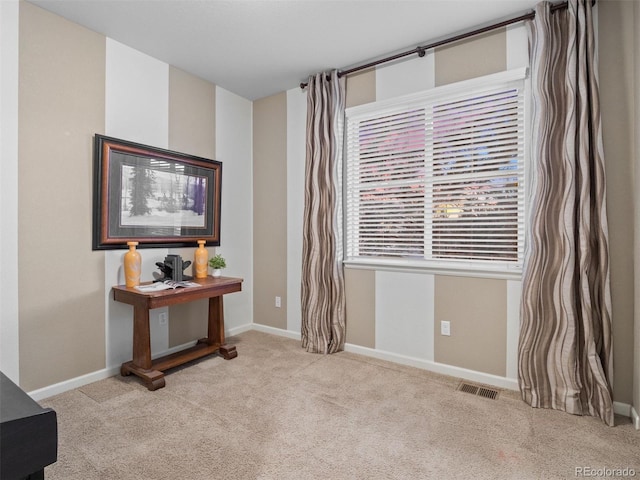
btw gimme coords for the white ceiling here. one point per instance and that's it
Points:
(256, 48)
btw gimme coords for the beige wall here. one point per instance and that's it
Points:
(361, 88)
(616, 59)
(270, 210)
(192, 130)
(481, 55)
(360, 288)
(61, 280)
(192, 114)
(360, 285)
(477, 311)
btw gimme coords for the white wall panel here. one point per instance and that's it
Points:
(137, 109)
(234, 126)
(517, 46)
(137, 88)
(404, 77)
(296, 153)
(517, 56)
(405, 313)
(9, 326)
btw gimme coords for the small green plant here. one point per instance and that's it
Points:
(217, 262)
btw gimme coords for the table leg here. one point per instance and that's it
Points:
(141, 364)
(228, 351)
(141, 338)
(215, 329)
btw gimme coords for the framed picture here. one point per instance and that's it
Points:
(156, 197)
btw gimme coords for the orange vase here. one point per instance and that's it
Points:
(132, 262)
(201, 260)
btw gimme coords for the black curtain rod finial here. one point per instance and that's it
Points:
(304, 85)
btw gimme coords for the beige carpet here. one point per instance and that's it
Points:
(277, 412)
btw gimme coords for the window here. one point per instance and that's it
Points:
(437, 179)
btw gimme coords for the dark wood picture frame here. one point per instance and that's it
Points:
(156, 197)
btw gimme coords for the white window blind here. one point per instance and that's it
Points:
(438, 177)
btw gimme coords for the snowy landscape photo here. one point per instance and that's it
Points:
(158, 198)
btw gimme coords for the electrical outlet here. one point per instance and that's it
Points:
(445, 328)
(278, 302)
(162, 319)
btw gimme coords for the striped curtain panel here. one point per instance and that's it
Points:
(323, 298)
(565, 349)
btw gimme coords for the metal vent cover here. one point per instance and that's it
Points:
(478, 390)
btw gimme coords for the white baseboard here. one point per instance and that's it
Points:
(635, 418)
(83, 380)
(471, 375)
(77, 382)
(623, 409)
(276, 331)
(485, 378)
(238, 330)
(441, 368)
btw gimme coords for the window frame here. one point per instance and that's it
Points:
(477, 268)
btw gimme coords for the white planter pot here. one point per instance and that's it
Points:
(217, 272)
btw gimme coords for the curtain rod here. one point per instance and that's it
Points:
(422, 50)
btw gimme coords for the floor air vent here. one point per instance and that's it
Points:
(466, 388)
(479, 391)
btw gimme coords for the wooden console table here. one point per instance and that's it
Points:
(151, 371)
